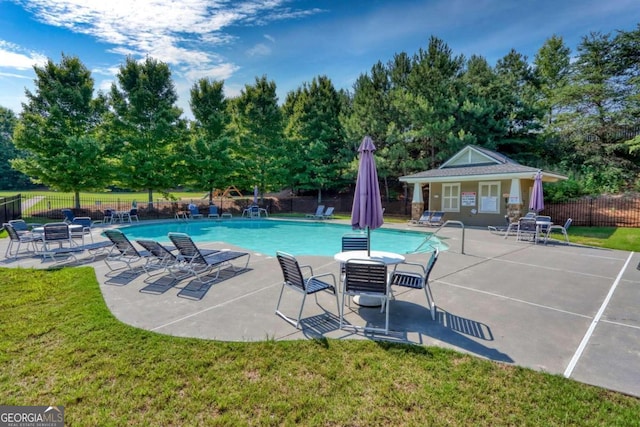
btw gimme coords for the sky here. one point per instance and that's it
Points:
(288, 41)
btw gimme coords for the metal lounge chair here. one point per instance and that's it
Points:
(197, 262)
(318, 213)
(436, 219)
(161, 258)
(424, 218)
(416, 276)
(328, 213)
(366, 278)
(123, 251)
(294, 279)
(68, 215)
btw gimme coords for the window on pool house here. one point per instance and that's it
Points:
(451, 197)
(489, 193)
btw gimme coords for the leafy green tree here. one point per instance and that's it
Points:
(10, 179)
(482, 114)
(314, 128)
(207, 156)
(257, 129)
(145, 130)
(552, 68)
(431, 101)
(593, 111)
(57, 130)
(521, 112)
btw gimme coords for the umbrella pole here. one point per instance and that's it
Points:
(368, 241)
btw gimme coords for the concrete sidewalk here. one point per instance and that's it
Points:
(563, 309)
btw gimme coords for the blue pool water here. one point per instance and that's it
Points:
(268, 236)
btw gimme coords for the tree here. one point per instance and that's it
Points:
(57, 130)
(518, 100)
(431, 101)
(146, 132)
(10, 179)
(552, 68)
(594, 107)
(316, 133)
(207, 156)
(257, 128)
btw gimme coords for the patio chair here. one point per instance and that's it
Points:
(57, 239)
(18, 239)
(294, 279)
(68, 215)
(122, 251)
(21, 226)
(543, 222)
(527, 229)
(416, 276)
(86, 224)
(353, 242)
(561, 228)
(213, 212)
(133, 213)
(366, 278)
(318, 213)
(194, 213)
(108, 216)
(198, 262)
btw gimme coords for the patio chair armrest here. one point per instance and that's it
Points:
(410, 265)
(333, 277)
(308, 267)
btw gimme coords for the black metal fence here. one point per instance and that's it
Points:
(10, 208)
(604, 211)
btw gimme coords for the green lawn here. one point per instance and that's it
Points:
(60, 345)
(627, 239)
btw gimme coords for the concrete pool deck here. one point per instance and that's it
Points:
(564, 309)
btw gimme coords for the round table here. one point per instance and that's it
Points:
(73, 228)
(389, 258)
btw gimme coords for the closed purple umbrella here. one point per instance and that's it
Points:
(255, 194)
(536, 203)
(366, 212)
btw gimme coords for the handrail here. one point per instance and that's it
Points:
(451, 221)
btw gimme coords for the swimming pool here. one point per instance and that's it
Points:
(268, 236)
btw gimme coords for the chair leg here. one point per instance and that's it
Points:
(386, 324)
(430, 301)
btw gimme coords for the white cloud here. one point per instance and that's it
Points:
(176, 32)
(217, 72)
(260, 49)
(15, 76)
(12, 56)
